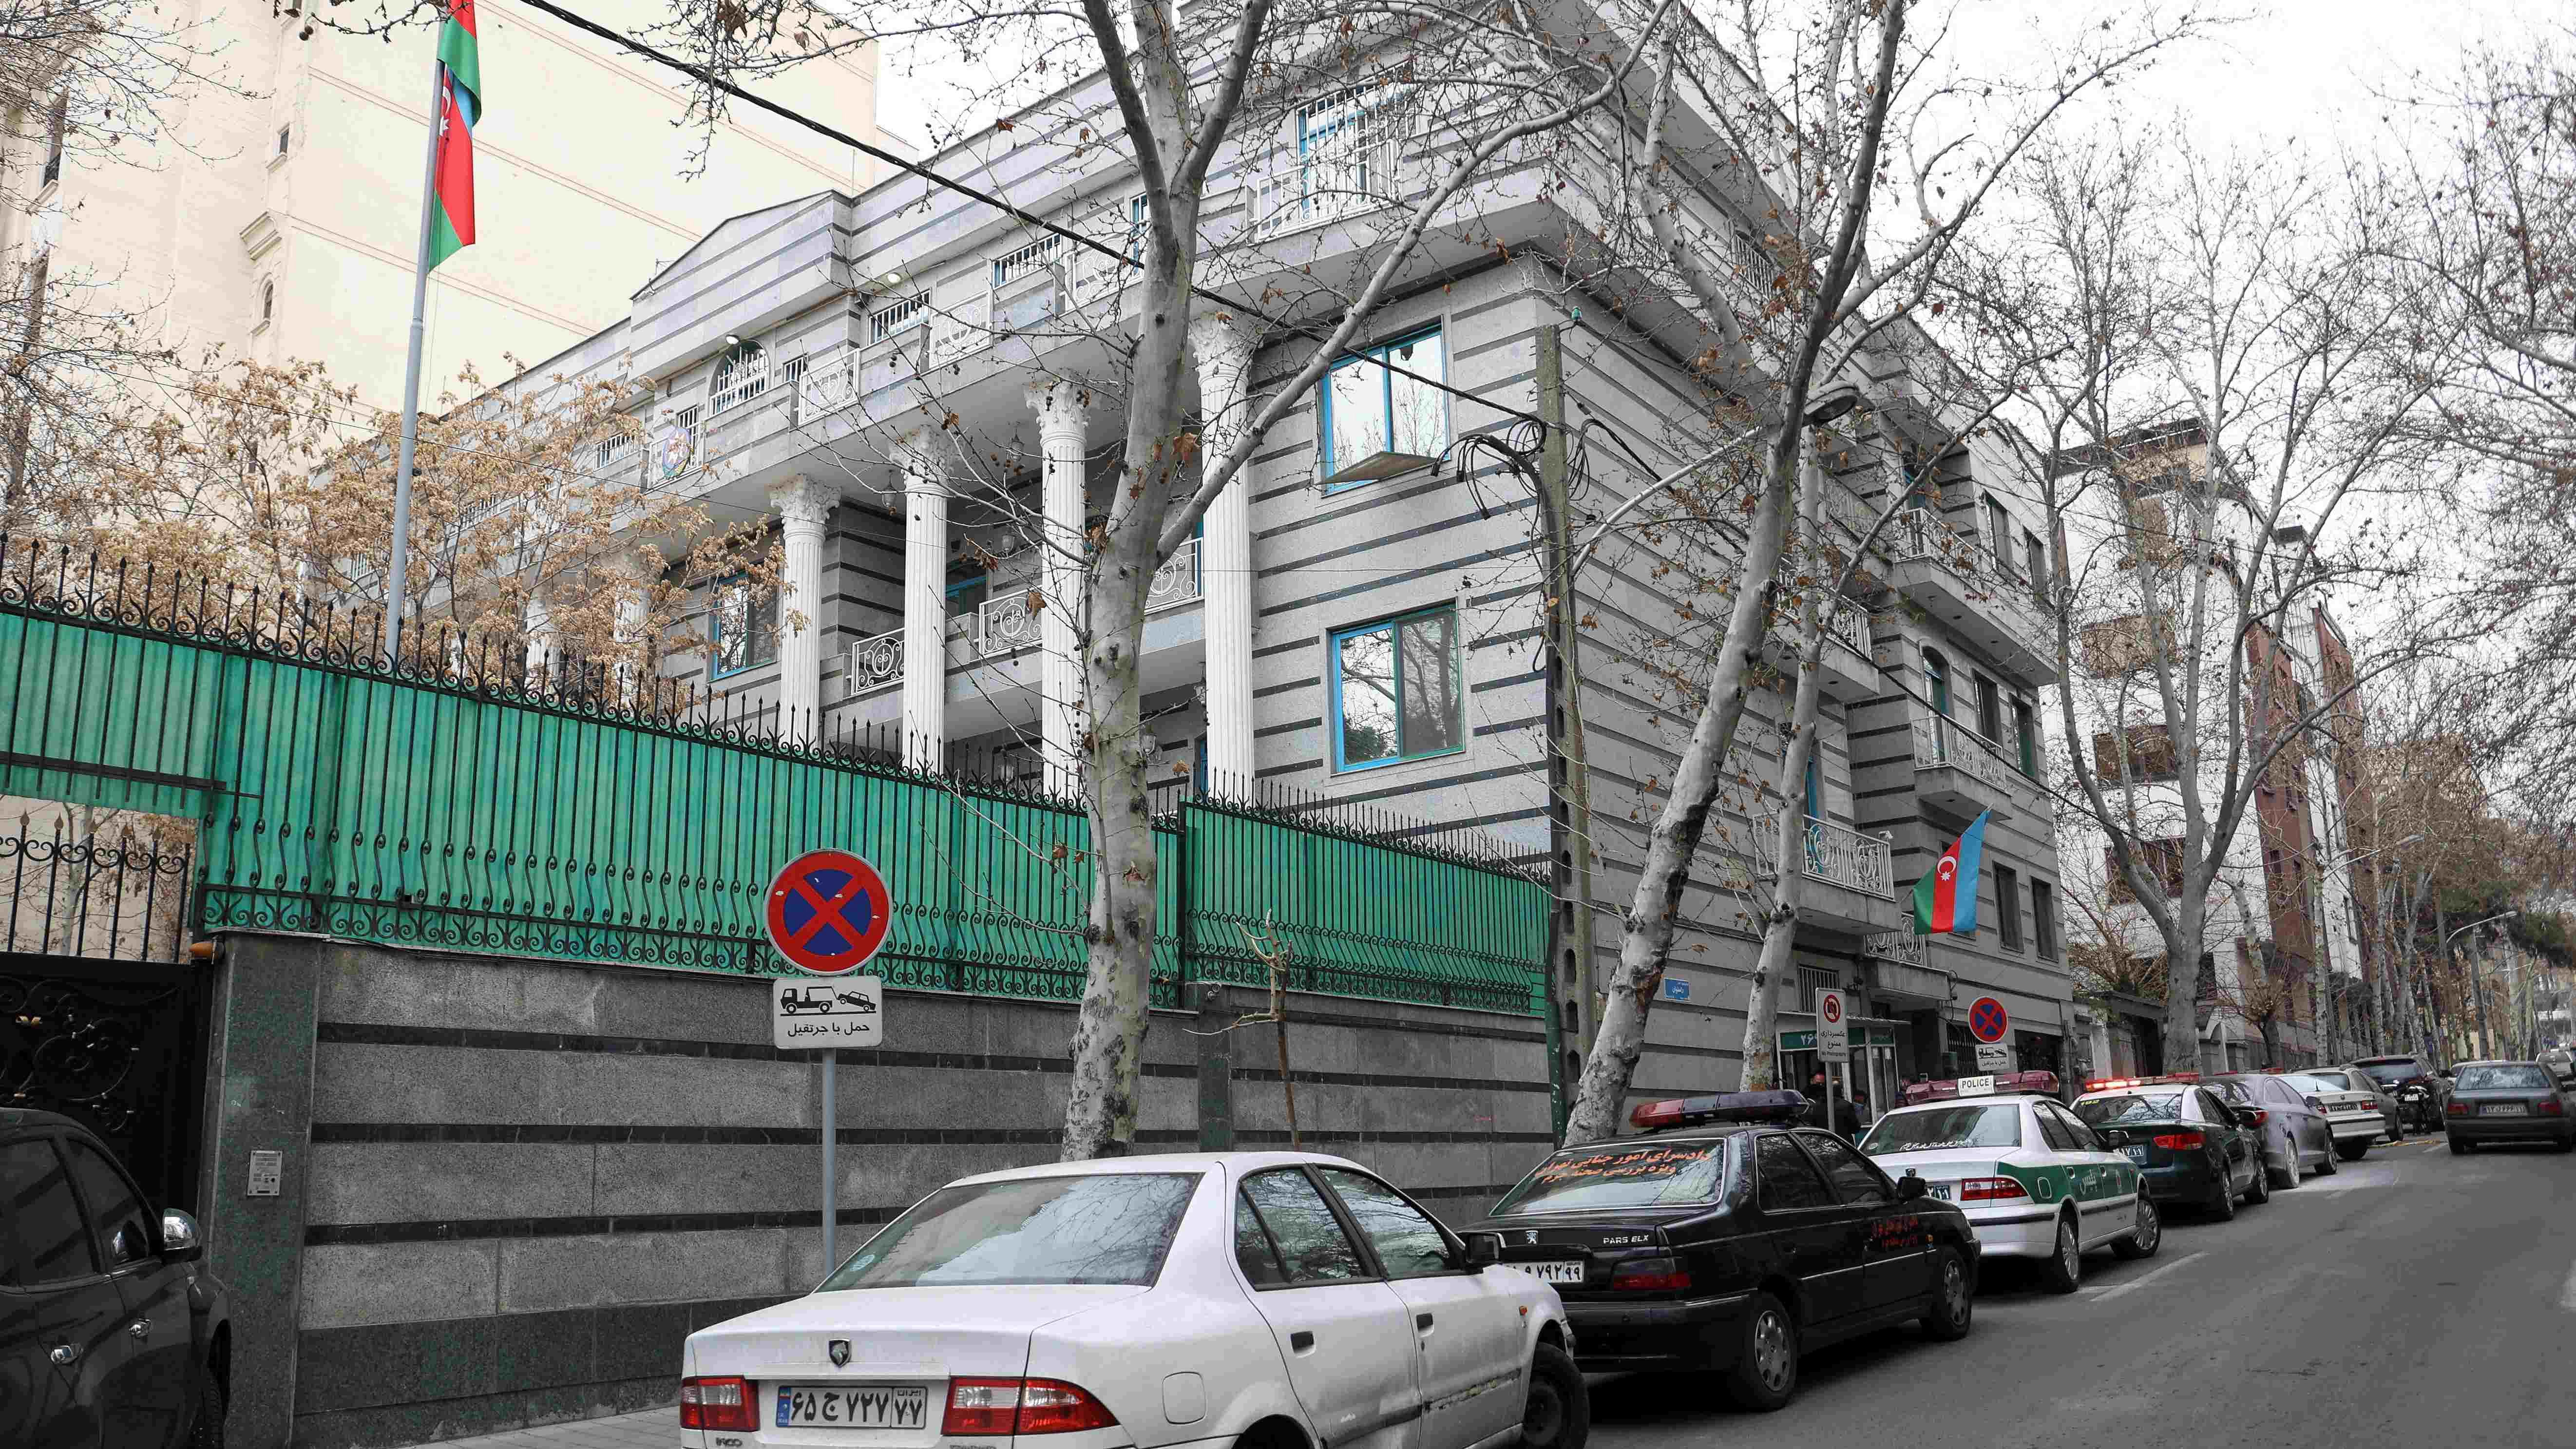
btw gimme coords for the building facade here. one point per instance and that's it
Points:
(277, 218)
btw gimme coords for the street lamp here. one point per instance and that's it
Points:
(2477, 982)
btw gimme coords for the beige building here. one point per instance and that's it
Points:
(282, 224)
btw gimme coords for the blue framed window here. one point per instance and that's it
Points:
(1368, 409)
(1398, 691)
(967, 593)
(744, 621)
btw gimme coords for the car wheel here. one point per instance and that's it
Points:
(1559, 1412)
(2326, 1160)
(1954, 1303)
(2352, 1151)
(2148, 1236)
(1765, 1371)
(2283, 1177)
(2258, 1188)
(2222, 1203)
(2567, 1143)
(208, 1431)
(2064, 1270)
(2458, 1148)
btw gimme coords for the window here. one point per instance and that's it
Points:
(2162, 858)
(2037, 558)
(2118, 646)
(2043, 918)
(2147, 1106)
(2054, 1131)
(1990, 710)
(967, 593)
(124, 1233)
(1304, 1233)
(42, 1237)
(1140, 222)
(1936, 681)
(1252, 1250)
(1345, 159)
(2511, 1077)
(1994, 1124)
(1999, 533)
(746, 626)
(1852, 1176)
(285, 134)
(1408, 1244)
(1029, 257)
(267, 302)
(2026, 736)
(1620, 1175)
(1368, 409)
(1785, 1180)
(2135, 754)
(2008, 906)
(1396, 691)
(1110, 1227)
(57, 125)
(2078, 1135)
(740, 377)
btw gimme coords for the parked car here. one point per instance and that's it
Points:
(2191, 1145)
(2033, 1179)
(2509, 1102)
(2356, 1115)
(2415, 1082)
(1731, 1241)
(112, 1336)
(1269, 1299)
(2293, 1125)
(2392, 1114)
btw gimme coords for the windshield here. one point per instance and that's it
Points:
(2387, 1073)
(1989, 1124)
(1669, 1174)
(2511, 1077)
(2131, 1107)
(2327, 1082)
(1110, 1227)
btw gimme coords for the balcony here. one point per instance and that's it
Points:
(1856, 873)
(1896, 967)
(1003, 627)
(1958, 580)
(1850, 672)
(1963, 772)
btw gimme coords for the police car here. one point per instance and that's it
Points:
(1731, 1238)
(2034, 1181)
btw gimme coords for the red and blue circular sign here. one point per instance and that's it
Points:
(829, 912)
(1987, 1021)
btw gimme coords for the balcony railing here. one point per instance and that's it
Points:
(1940, 743)
(1900, 946)
(1006, 624)
(1837, 855)
(1918, 535)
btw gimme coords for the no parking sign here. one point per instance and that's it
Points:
(828, 912)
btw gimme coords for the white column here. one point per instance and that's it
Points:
(629, 629)
(804, 506)
(1224, 352)
(925, 601)
(1062, 410)
(541, 642)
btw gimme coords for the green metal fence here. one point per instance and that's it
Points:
(447, 806)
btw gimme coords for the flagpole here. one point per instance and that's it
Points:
(398, 570)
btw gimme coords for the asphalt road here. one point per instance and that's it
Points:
(2415, 1300)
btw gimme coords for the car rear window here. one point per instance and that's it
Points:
(2511, 1077)
(1991, 1124)
(1110, 1227)
(2389, 1073)
(2329, 1081)
(1620, 1175)
(2131, 1107)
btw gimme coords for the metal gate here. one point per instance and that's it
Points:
(102, 1013)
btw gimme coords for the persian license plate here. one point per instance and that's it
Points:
(2504, 1109)
(1941, 1191)
(1556, 1272)
(2135, 1153)
(861, 1406)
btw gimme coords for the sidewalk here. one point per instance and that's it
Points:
(652, 1429)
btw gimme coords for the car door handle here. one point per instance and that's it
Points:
(64, 1353)
(1300, 1341)
(1422, 1321)
(140, 1328)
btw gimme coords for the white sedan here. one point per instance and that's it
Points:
(1272, 1300)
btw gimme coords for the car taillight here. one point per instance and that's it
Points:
(2549, 1107)
(1650, 1275)
(717, 1404)
(2261, 1116)
(1990, 1189)
(2181, 1141)
(2457, 1109)
(1021, 1406)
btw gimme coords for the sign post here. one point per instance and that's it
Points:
(828, 913)
(1833, 1047)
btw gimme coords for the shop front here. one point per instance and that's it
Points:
(1874, 1079)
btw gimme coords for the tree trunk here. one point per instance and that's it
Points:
(1780, 928)
(1646, 932)
(2182, 973)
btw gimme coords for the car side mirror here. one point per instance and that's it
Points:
(2567, 1081)
(180, 1241)
(1909, 1188)
(1483, 1250)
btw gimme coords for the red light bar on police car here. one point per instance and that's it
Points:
(1780, 1106)
(2113, 1084)
(2001, 1084)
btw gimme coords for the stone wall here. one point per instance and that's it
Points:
(514, 1186)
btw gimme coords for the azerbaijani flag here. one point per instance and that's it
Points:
(460, 104)
(1945, 900)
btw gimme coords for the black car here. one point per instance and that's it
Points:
(111, 1336)
(2192, 1146)
(2509, 1102)
(2416, 1084)
(1732, 1239)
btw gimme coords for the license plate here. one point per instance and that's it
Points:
(1941, 1190)
(866, 1406)
(2504, 1109)
(2135, 1154)
(1556, 1272)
